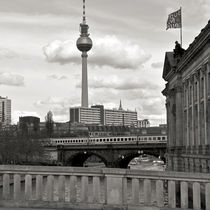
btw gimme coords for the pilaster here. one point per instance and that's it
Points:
(179, 112)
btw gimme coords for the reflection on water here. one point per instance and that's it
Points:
(147, 163)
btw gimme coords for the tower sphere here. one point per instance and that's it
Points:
(84, 43)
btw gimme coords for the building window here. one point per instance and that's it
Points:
(195, 91)
(185, 97)
(202, 87)
(190, 94)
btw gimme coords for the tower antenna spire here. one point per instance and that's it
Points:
(84, 17)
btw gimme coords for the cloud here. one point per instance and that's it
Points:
(119, 84)
(11, 79)
(61, 52)
(107, 51)
(157, 65)
(57, 77)
(58, 105)
(6, 53)
(111, 51)
(153, 106)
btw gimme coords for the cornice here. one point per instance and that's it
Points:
(199, 42)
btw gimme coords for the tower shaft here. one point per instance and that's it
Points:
(84, 44)
(84, 80)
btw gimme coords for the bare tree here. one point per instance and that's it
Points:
(49, 123)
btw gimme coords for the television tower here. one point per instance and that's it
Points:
(84, 44)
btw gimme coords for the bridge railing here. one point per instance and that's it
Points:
(92, 188)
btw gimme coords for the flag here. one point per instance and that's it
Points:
(174, 20)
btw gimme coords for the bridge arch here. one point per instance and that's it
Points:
(125, 159)
(79, 158)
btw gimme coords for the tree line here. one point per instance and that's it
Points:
(16, 148)
(19, 146)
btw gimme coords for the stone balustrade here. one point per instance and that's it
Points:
(107, 188)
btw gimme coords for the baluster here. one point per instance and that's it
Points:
(125, 186)
(147, 191)
(141, 191)
(207, 196)
(73, 190)
(17, 191)
(153, 192)
(96, 190)
(61, 188)
(135, 191)
(50, 188)
(39, 187)
(28, 187)
(184, 195)
(196, 196)
(171, 194)
(84, 193)
(6, 184)
(159, 193)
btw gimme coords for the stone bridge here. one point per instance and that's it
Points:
(112, 155)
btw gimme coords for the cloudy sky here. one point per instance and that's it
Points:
(41, 66)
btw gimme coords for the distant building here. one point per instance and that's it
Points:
(108, 130)
(188, 105)
(29, 125)
(163, 125)
(5, 111)
(99, 116)
(157, 130)
(120, 117)
(143, 123)
(85, 115)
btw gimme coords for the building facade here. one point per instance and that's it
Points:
(85, 115)
(100, 116)
(29, 125)
(5, 111)
(188, 105)
(120, 117)
(143, 123)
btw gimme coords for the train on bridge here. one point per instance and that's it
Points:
(109, 140)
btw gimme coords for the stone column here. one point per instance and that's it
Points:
(195, 110)
(204, 72)
(198, 106)
(193, 107)
(208, 102)
(168, 121)
(201, 103)
(186, 105)
(179, 112)
(172, 117)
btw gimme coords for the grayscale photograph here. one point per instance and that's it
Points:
(105, 105)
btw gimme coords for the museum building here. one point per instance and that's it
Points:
(187, 92)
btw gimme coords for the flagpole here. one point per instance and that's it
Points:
(181, 26)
